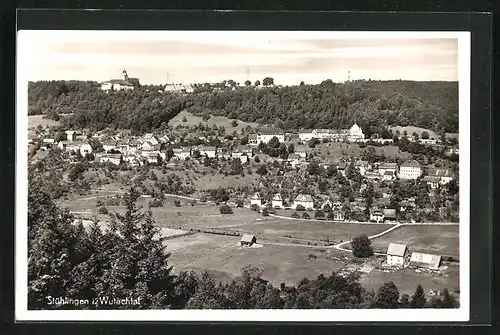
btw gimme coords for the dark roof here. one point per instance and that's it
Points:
(119, 81)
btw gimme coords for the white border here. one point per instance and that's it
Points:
(369, 315)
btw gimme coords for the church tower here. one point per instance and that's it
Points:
(125, 75)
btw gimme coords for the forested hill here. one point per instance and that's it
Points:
(432, 105)
(372, 104)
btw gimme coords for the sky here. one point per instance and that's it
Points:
(212, 56)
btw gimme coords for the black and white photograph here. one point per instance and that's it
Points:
(209, 175)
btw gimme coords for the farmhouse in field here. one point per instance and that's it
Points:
(396, 254)
(117, 84)
(305, 200)
(277, 201)
(248, 240)
(256, 199)
(410, 170)
(425, 260)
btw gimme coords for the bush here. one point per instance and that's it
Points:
(361, 247)
(99, 203)
(265, 212)
(225, 209)
(295, 215)
(254, 207)
(155, 203)
(306, 216)
(319, 214)
(177, 203)
(300, 208)
(103, 210)
(330, 216)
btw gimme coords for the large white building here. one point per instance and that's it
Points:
(266, 135)
(305, 200)
(356, 133)
(118, 84)
(410, 170)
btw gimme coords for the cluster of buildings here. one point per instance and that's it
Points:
(118, 84)
(398, 255)
(354, 134)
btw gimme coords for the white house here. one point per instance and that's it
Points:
(305, 200)
(117, 84)
(111, 158)
(252, 139)
(396, 254)
(209, 151)
(152, 157)
(266, 135)
(356, 133)
(151, 139)
(388, 176)
(302, 151)
(294, 160)
(85, 149)
(256, 199)
(109, 145)
(243, 153)
(178, 88)
(182, 153)
(393, 167)
(70, 135)
(376, 215)
(432, 181)
(410, 170)
(362, 167)
(277, 201)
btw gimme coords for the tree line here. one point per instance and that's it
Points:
(128, 259)
(374, 105)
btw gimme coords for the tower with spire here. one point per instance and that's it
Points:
(125, 75)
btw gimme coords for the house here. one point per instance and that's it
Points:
(151, 139)
(109, 145)
(362, 167)
(150, 146)
(428, 141)
(48, 140)
(256, 199)
(406, 205)
(342, 167)
(164, 139)
(209, 151)
(179, 88)
(302, 151)
(152, 157)
(396, 254)
(306, 135)
(247, 240)
(327, 203)
(356, 133)
(432, 181)
(243, 153)
(372, 175)
(376, 215)
(389, 214)
(111, 158)
(444, 175)
(305, 200)
(117, 84)
(388, 176)
(252, 139)
(265, 136)
(427, 261)
(393, 167)
(132, 160)
(70, 135)
(410, 170)
(277, 201)
(294, 160)
(85, 149)
(182, 153)
(338, 215)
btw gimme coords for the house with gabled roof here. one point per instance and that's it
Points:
(396, 254)
(247, 240)
(444, 175)
(428, 261)
(384, 167)
(362, 166)
(256, 199)
(277, 201)
(149, 137)
(304, 200)
(265, 135)
(432, 181)
(182, 153)
(410, 170)
(109, 144)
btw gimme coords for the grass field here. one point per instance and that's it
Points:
(440, 240)
(192, 120)
(36, 120)
(224, 256)
(406, 280)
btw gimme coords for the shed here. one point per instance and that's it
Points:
(425, 260)
(396, 254)
(248, 240)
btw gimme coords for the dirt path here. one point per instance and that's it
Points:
(339, 246)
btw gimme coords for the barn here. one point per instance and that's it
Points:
(248, 240)
(396, 254)
(425, 260)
